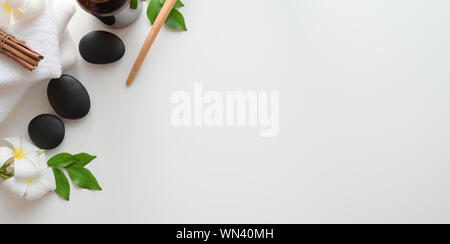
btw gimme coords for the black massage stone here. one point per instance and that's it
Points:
(68, 97)
(46, 131)
(101, 47)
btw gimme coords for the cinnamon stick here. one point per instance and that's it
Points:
(18, 51)
(22, 47)
(21, 55)
(18, 60)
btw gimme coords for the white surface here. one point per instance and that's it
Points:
(364, 115)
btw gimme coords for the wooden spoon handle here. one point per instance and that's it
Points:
(159, 22)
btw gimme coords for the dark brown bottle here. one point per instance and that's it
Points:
(113, 13)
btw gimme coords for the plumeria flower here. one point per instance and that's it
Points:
(32, 178)
(33, 188)
(21, 10)
(24, 157)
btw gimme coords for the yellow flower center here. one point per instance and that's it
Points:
(29, 181)
(18, 153)
(9, 9)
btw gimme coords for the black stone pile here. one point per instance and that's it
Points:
(68, 97)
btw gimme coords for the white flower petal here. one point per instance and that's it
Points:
(14, 141)
(17, 3)
(47, 179)
(25, 169)
(15, 186)
(28, 147)
(35, 191)
(5, 15)
(21, 143)
(36, 159)
(5, 155)
(33, 10)
(42, 161)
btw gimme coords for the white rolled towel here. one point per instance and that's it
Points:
(49, 36)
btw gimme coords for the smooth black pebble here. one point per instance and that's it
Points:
(68, 97)
(101, 47)
(46, 131)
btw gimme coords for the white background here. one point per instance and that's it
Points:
(364, 115)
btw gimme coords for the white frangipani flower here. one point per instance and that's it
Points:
(32, 177)
(22, 10)
(25, 158)
(33, 188)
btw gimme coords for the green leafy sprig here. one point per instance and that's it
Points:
(4, 171)
(175, 20)
(134, 4)
(75, 167)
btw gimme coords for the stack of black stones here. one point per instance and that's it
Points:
(68, 97)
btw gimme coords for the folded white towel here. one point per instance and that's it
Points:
(42, 36)
(64, 13)
(47, 35)
(68, 52)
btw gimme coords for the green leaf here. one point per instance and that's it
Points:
(62, 184)
(134, 4)
(61, 160)
(4, 170)
(6, 165)
(176, 20)
(179, 4)
(82, 159)
(5, 176)
(83, 178)
(153, 10)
